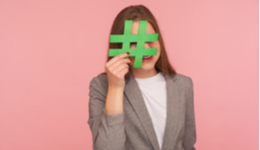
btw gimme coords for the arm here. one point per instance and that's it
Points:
(108, 130)
(190, 128)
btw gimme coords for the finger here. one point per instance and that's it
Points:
(128, 60)
(123, 71)
(117, 63)
(120, 67)
(116, 58)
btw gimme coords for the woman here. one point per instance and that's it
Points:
(147, 108)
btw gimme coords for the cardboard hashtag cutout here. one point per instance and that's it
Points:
(139, 38)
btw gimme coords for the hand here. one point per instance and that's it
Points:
(116, 69)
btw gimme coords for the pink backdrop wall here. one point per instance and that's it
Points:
(50, 50)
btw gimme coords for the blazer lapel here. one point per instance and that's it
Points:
(172, 113)
(133, 93)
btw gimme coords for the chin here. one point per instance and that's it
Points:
(147, 66)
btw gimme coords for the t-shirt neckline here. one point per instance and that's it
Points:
(150, 78)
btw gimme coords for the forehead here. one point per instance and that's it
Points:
(135, 27)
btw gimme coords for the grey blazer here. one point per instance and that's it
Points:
(133, 129)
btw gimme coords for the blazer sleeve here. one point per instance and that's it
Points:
(108, 131)
(190, 128)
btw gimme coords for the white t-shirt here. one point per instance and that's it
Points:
(153, 90)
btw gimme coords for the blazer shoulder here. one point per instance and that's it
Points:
(184, 80)
(99, 81)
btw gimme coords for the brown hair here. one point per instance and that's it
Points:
(136, 13)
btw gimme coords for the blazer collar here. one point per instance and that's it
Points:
(133, 93)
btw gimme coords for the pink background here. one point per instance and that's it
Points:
(50, 50)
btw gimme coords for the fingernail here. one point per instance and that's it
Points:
(127, 53)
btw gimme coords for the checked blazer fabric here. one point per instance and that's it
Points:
(133, 129)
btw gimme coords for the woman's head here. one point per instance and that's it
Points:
(148, 65)
(136, 13)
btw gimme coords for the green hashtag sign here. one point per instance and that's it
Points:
(139, 38)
